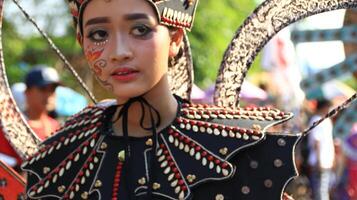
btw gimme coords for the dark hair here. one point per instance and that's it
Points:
(322, 103)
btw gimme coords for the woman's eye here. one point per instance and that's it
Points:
(141, 30)
(98, 35)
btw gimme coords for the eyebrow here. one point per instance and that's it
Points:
(130, 17)
(136, 16)
(97, 20)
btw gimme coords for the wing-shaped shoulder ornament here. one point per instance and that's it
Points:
(273, 152)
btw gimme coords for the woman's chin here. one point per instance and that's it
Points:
(123, 96)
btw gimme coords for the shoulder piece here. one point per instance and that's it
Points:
(106, 103)
(76, 141)
(199, 146)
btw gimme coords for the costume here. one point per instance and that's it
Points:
(206, 148)
(206, 153)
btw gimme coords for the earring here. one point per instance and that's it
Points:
(172, 61)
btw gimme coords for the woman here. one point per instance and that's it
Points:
(151, 144)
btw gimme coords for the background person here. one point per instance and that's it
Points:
(322, 153)
(41, 83)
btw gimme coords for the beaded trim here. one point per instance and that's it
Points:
(205, 111)
(116, 183)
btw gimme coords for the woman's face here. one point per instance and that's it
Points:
(125, 46)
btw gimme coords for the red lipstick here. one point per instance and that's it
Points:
(125, 74)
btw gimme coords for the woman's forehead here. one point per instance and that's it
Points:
(119, 6)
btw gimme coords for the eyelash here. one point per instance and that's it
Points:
(146, 32)
(104, 39)
(91, 36)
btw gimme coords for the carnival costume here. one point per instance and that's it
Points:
(207, 152)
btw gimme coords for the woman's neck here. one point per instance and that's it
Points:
(162, 100)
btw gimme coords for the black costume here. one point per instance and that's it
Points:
(207, 152)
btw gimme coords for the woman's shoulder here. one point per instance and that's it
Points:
(210, 144)
(57, 155)
(255, 118)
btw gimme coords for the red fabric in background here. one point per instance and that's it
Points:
(7, 149)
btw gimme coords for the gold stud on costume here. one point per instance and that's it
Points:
(219, 197)
(142, 181)
(46, 170)
(223, 151)
(191, 178)
(149, 142)
(98, 183)
(121, 156)
(61, 189)
(84, 195)
(103, 146)
(156, 186)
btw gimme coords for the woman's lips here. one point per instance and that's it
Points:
(125, 74)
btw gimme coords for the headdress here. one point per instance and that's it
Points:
(174, 13)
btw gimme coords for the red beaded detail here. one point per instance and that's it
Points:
(199, 153)
(199, 111)
(89, 123)
(116, 183)
(172, 171)
(218, 129)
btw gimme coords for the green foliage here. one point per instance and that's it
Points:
(215, 25)
(23, 53)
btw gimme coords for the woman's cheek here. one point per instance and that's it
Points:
(98, 66)
(93, 55)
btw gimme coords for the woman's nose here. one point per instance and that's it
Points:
(122, 50)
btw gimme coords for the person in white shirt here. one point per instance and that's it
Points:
(322, 153)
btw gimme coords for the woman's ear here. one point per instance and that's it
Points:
(176, 39)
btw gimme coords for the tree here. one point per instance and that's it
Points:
(214, 27)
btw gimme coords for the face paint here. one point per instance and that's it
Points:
(93, 54)
(97, 67)
(105, 84)
(127, 49)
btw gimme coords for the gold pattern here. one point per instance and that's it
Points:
(46, 170)
(149, 142)
(84, 195)
(219, 197)
(142, 181)
(191, 178)
(61, 189)
(223, 151)
(156, 186)
(98, 183)
(121, 155)
(103, 146)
